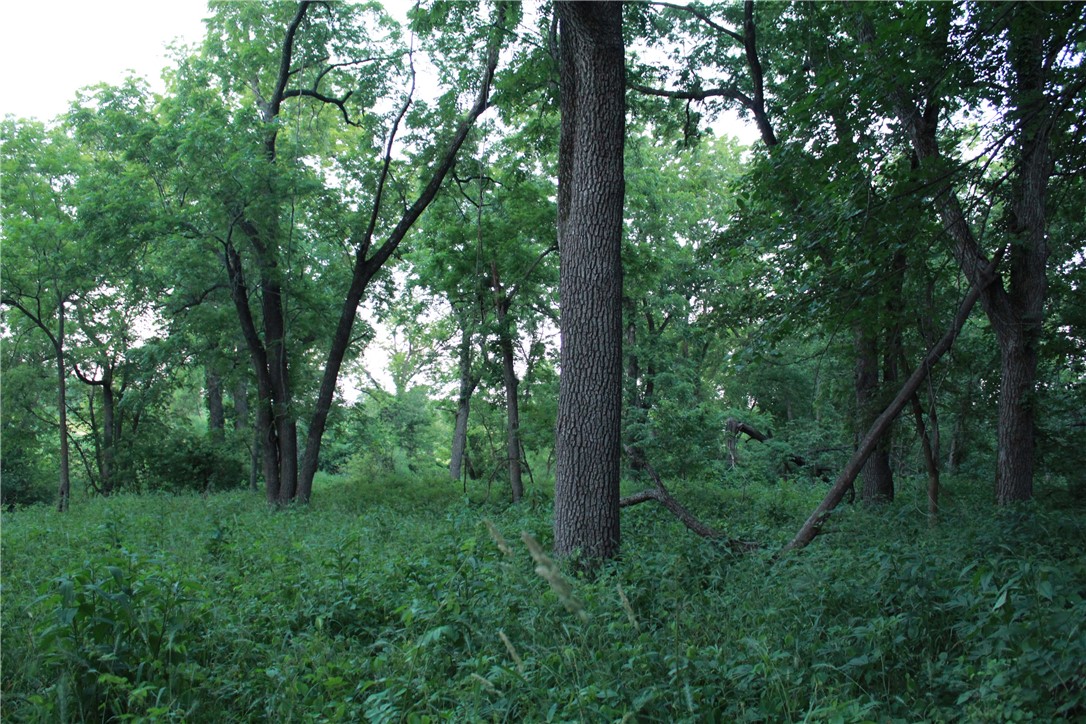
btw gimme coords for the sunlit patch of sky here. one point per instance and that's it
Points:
(52, 48)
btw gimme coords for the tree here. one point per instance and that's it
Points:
(1033, 83)
(590, 200)
(273, 209)
(682, 309)
(41, 271)
(490, 256)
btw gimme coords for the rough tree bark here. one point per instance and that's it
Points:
(591, 190)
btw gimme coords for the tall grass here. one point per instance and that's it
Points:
(405, 601)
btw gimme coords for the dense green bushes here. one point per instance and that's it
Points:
(398, 604)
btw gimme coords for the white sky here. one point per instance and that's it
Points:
(51, 48)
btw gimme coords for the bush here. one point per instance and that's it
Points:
(192, 462)
(117, 638)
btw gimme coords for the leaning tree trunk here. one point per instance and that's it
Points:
(591, 189)
(367, 261)
(847, 476)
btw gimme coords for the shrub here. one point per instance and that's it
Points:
(118, 639)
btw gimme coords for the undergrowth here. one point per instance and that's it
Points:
(408, 602)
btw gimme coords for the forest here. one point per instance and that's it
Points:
(571, 361)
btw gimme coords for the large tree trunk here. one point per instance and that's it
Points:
(283, 415)
(1019, 340)
(591, 190)
(877, 477)
(1015, 431)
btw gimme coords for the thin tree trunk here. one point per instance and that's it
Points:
(109, 432)
(930, 462)
(953, 456)
(512, 419)
(241, 404)
(64, 487)
(509, 379)
(216, 414)
(256, 453)
(878, 479)
(928, 448)
(591, 189)
(365, 266)
(468, 383)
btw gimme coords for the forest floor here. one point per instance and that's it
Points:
(410, 602)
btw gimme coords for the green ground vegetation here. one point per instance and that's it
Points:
(407, 601)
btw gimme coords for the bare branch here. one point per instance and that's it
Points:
(337, 102)
(660, 494)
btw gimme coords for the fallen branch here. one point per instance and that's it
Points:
(848, 476)
(660, 494)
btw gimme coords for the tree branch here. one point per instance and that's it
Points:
(695, 95)
(660, 494)
(337, 102)
(702, 17)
